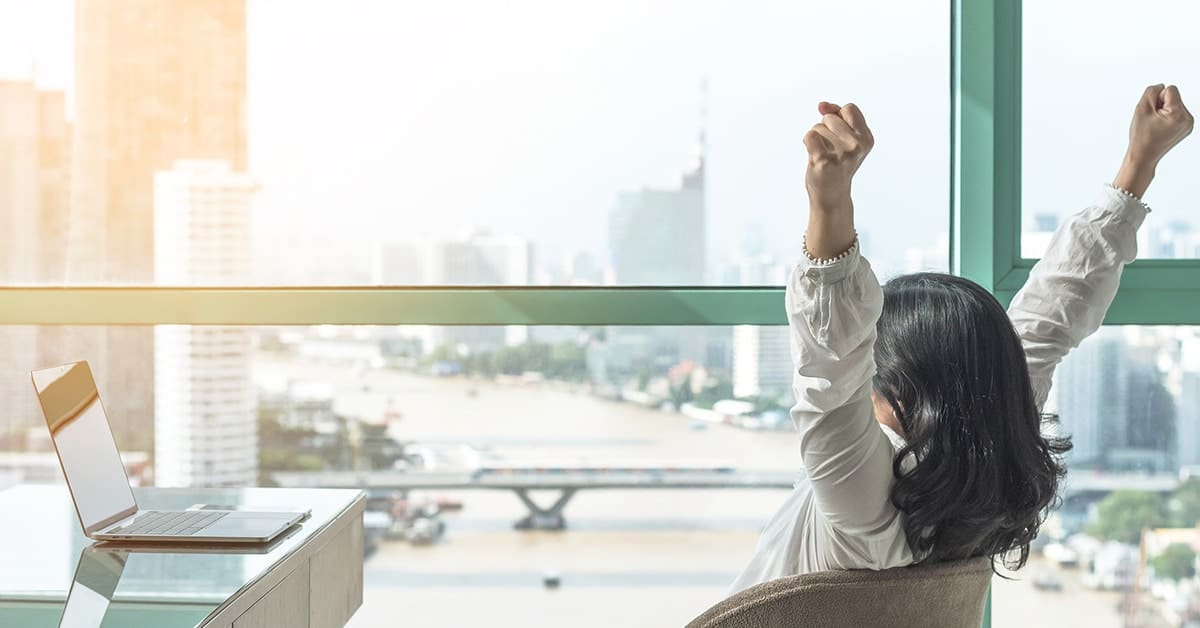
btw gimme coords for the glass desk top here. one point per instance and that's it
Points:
(43, 550)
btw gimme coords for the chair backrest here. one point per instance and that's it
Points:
(944, 595)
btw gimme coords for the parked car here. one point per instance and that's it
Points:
(1047, 581)
(424, 531)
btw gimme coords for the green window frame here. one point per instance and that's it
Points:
(985, 230)
(986, 178)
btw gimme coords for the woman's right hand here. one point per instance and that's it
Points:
(1160, 121)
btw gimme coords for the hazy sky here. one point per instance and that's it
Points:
(416, 118)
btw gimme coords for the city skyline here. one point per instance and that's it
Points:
(417, 174)
(533, 142)
(717, 57)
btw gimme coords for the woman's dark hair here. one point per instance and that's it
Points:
(952, 369)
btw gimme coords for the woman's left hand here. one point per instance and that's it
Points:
(837, 146)
(1160, 121)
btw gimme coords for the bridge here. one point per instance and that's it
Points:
(1105, 482)
(568, 482)
(384, 483)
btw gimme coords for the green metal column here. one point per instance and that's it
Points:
(987, 611)
(986, 138)
(985, 91)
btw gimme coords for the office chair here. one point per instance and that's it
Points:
(944, 595)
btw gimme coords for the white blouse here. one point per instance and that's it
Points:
(840, 516)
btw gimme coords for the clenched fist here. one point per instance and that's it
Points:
(837, 146)
(1160, 121)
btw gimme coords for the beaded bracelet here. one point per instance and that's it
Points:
(825, 262)
(1130, 196)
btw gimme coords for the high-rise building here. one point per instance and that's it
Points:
(477, 258)
(1086, 390)
(35, 148)
(35, 153)
(1113, 403)
(206, 425)
(658, 236)
(762, 362)
(1173, 240)
(1189, 419)
(155, 81)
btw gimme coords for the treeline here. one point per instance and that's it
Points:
(565, 361)
(1122, 515)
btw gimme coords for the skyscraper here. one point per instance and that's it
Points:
(155, 81)
(1113, 403)
(657, 236)
(762, 363)
(35, 149)
(1189, 419)
(476, 258)
(206, 431)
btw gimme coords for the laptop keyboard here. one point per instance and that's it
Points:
(179, 523)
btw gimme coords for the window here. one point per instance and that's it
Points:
(515, 167)
(1129, 397)
(550, 144)
(619, 403)
(1112, 51)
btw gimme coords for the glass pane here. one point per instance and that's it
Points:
(1130, 399)
(1075, 130)
(538, 142)
(471, 406)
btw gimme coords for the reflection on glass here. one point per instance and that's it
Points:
(81, 434)
(91, 593)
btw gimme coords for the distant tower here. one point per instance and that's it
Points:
(206, 419)
(35, 158)
(695, 176)
(155, 81)
(762, 362)
(658, 236)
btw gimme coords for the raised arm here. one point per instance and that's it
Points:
(1070, 289)
(833, 303)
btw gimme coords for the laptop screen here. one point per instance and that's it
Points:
(84, 441)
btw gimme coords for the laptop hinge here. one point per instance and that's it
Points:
(121, 517)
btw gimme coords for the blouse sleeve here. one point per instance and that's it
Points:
(832, 310)
(1070, 289)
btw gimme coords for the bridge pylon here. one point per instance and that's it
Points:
(540, 518)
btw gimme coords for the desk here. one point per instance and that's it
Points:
(311, 579)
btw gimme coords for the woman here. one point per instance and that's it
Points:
(919, 404)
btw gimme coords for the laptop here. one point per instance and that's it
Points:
(100, 488)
